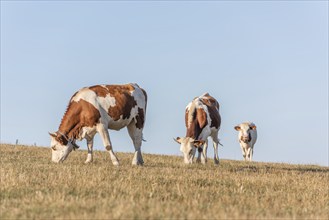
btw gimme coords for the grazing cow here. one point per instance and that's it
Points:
(247, 139)
(97, 109)
(202, 120)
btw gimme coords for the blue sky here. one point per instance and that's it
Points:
(264, 61)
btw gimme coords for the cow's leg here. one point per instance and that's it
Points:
(90, 143)
(198, 159)
(215, 143)
(249, 154)
(136, 136)
(204, 152)
(193, 153)
(247, 150)
(103, 132)
(243, 153)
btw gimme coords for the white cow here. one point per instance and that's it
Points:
(247, 138)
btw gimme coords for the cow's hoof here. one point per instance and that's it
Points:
(116, 163)
(137, 163)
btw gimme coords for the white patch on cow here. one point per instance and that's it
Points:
(138, 95)
(59, 152)
(87, 132)
(120, 123)
(204, 96)
(107, 101)
(187, 148)
(90, 96)
(85, 94)
(191, 107)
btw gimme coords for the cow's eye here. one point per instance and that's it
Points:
(53, 147)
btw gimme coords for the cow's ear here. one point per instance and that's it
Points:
(198, 143)
(178, 140)
(53, 134)
(253, 127)
(237, 128)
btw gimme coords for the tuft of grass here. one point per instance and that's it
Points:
(34, 187)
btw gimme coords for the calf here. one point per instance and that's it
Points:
(247, 138)
(96, 109)
(202, 120)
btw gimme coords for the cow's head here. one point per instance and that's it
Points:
(244, 131)
(188, 147)
(61, 147)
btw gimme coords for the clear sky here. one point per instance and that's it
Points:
(264, 61)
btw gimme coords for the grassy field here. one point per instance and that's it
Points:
(32, 187)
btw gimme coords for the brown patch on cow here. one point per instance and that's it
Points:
(118, 88)
(194, 130)
(198, 122)
(60, 138)
(124, 102)
(210, 101)
(201, 117)
(140, 118)
(100, 91)
(214, 116)
(78, 114)
(237, 128)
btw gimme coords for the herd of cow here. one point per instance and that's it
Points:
(98, 108)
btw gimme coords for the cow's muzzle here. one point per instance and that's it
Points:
(246, 139)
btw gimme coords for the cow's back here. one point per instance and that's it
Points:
(118, 105)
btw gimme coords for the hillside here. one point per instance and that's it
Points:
(34, 187)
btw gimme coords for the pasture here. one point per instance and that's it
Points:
(32, 187)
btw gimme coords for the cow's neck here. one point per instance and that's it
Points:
(70, 124)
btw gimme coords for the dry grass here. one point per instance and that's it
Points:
(33, 187)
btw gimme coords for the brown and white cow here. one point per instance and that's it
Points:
(202, 120)
(96, 109)
(247, 138)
